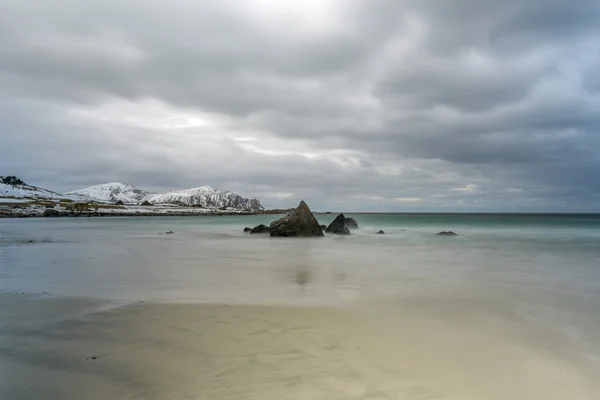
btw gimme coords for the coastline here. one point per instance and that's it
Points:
(126, 211)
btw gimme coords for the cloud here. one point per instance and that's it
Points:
(351, 105)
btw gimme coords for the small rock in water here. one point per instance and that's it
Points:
(338, 226)
(351, 223)
(169, 233)
(323, 227)
(51, 213)
(380, 232)
(448, 233)
(262, 228)
(246, 229)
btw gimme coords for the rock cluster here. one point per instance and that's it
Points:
(448, 233)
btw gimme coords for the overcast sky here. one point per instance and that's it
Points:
(405, 105)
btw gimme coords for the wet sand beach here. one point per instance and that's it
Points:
(77, 348)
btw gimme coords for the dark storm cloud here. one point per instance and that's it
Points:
(382, 104)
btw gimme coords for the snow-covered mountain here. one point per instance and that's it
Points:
(113, 192)
(13, 187)
(204, 196)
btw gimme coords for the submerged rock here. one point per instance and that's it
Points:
(338, 226)
(381, 233)
(448, 233)
(299, 222)
(246, 229)
(351, 223)
(260, 229)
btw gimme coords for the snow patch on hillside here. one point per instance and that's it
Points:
(113, 192)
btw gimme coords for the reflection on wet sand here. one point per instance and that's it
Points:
(302, 277)
(419, 349)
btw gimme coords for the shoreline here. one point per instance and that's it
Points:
(165, 212)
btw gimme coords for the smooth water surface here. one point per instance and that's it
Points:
(546, 267)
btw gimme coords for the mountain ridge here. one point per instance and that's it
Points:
(112, 192)
(203, 196)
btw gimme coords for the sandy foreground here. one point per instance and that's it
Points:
(68, 348)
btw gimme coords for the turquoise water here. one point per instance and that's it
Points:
(558, 252)
(490, 221)
(544, 267)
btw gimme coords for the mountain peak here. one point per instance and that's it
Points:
(11, 180)
(113, 191)
(203, 188)
(112, 184)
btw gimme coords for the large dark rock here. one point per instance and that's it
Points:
(50, 212)
(351, 223)
(299, 222)
(449, 233)
(338, 226)
(381, 233)
(323, 227)
(260, 229)
(146, 203)
(246, 229)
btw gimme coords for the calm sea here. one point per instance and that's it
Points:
(544, 267)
